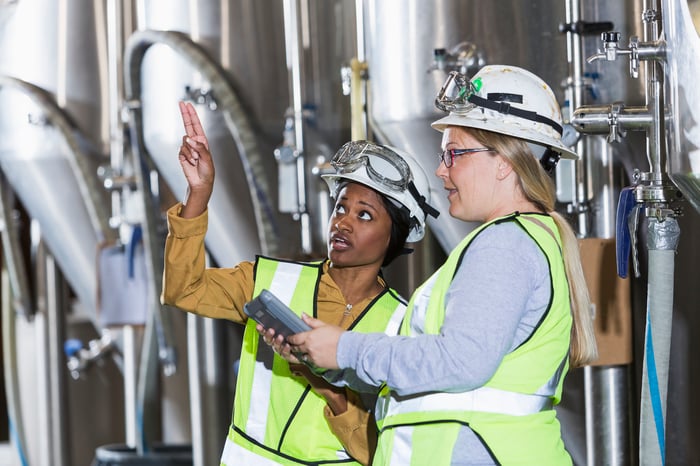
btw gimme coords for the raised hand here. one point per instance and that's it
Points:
(196, 162)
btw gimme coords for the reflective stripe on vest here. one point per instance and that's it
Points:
(277, 417)
(483, 399)
(517, 401)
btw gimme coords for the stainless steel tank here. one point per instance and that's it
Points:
(401, 38)
(682, 25)
(246, 40)
(234, 61)
(53, 127)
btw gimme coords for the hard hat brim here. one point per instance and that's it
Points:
(488, 124)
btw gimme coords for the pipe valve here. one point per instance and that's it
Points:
(81, 358)
(637, 51)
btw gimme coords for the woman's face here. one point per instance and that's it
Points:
(359, 229)
(471, 181)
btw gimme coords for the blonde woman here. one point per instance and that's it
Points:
(481, 356)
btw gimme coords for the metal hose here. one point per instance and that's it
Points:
(88, 185)
(235, 117)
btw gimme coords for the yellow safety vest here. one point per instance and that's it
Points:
(277, 417)
(513, 412)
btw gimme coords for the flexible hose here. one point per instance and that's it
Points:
(662, 242)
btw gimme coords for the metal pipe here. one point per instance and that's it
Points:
(10, 370)
(656, 147)
(207, 382)
(130, 372)
(606, 388)
(56, 308)
(600, 118)
(358, 84)
(293, 46)
(575, 90)
(117, 144)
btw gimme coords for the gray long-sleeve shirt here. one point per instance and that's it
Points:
(498, 295)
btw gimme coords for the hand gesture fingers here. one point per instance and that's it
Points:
(193, 127)
(195, 158)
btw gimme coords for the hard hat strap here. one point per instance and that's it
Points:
(420, 199)
(508, 109)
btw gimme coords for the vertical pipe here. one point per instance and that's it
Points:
(663, 233)
(208, 389)
(10, 369)
(130, 357)
(293, 48)
(606, 390)
(115, 45)
(50, 333)
(56, 305)
(358, 92)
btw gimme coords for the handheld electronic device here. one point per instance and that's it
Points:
(267, 310)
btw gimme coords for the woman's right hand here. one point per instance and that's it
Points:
(196, 162)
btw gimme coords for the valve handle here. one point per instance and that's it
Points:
(71, 346)
(623, 230)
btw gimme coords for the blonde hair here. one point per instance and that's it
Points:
(537, 186)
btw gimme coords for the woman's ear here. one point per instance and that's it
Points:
(504, 168)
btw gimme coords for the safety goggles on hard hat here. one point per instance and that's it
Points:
(454, 94)
(382, 165)
(459, 94)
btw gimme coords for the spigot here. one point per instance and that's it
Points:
(112, 180)
(202, 97)
(80, 358)
(611, 48)
(636, 50)
(463, 57)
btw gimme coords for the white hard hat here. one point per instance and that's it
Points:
(390, 171)
(506, 100)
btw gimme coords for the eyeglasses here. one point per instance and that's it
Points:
(382, 165)
(448, 156)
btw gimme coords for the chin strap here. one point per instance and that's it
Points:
(425, 207)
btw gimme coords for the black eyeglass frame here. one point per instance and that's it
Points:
(442, 156)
